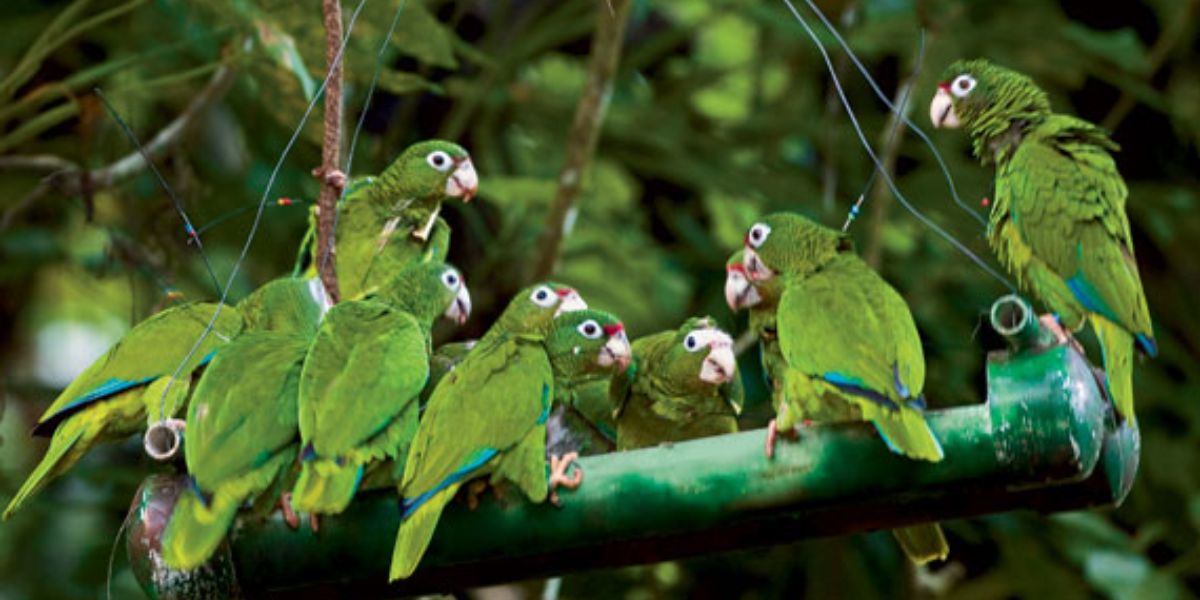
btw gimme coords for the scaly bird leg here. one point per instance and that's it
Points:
(1061, 335)
(335, 178)
(475, 489)
(773, 432)
(289, 515)
(559, 465)
(423, 233)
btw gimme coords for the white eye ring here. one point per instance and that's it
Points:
(691, 343)
(543, 296)
(962, 85)
(590, 329)
(439, 160)
(758, 234)
(451, 279)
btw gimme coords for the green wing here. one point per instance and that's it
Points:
(366, 366)
(1067, 201)
(496, 402)
(244, 408)
(288, 304)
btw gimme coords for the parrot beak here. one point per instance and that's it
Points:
(754, 267)
(463, 183)
(739, 293)
(460, 309)
(617, 350)
(720, 366)
(941, 109)
(569, 301)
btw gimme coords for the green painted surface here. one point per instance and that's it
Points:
(1035, 444)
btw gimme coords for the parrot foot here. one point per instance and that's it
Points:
(289, 515)
(559, 466)
(479, 487)
(1061, 335)
(773, 432)
(335, 178)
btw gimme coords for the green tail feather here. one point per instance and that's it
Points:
(195, 531)
(1117, 345)
(416, 531)
(907, 433)
(923, 543)
(59, 457)
(325, 487)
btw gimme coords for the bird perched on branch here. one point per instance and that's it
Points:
(841, 345)
(681, 384)
(1058, 222)
(390, 220)
(488, 416)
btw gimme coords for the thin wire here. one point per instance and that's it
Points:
(241, 210)
(912, 78)
(187, 223)
(878, 165)
(883, 97)
(262, 203)
(362, 118)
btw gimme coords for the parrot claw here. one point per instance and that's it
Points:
(559, 466)
(1061, 335)
(773, 434)
(478, 488)
(289, 515)
(335, 178)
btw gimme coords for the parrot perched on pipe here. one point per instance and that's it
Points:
(388, 221)
(1058, 222)
(121, 392)
(488, 416)
(844, 346)
(581, 420)
(361, 380)
(682, 384)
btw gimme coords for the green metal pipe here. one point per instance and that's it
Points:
(1035, 444)
(1013, 317)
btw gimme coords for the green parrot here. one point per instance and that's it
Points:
(1058, 222)
(443, 360)
(287, 304)
(386, 222)
(488, 417)
(847, 348)
(682, 384)
(242, 438)
(361, 381)
(121, 392)
(581, 420)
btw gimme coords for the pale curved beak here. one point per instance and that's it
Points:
(739, 293)
(754, 267)
(720, 366)
(617, 350)
(941, 110)
(460, 309)
(464, 182)
(569, 301)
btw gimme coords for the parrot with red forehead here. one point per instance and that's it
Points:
(682, 384)
(1058, 222)
(388, 221)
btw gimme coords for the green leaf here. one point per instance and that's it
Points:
(421, 36)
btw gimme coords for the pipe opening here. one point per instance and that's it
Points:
(163, 439)
(1010, 315)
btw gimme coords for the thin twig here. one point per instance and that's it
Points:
(881, 198)
(69, 179)
(585, 132)
(331, 187)
(1175, 33)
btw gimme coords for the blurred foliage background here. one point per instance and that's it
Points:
(722, 111)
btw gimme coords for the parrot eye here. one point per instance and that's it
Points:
(543, 296)
(451, 279)
(439, 160)
(590, 329)
(758, 234)
(962, 85)
(691, 343)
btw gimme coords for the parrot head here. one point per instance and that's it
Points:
(791, 244)
(587, 342)
(434, 169)
(428, 291)
(985, 98)
(533, 308)
(701, 354)
(739, 292)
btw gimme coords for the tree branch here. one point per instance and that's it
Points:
(1174, 34)
(585, 132)
(331, 183)
(70, 179)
